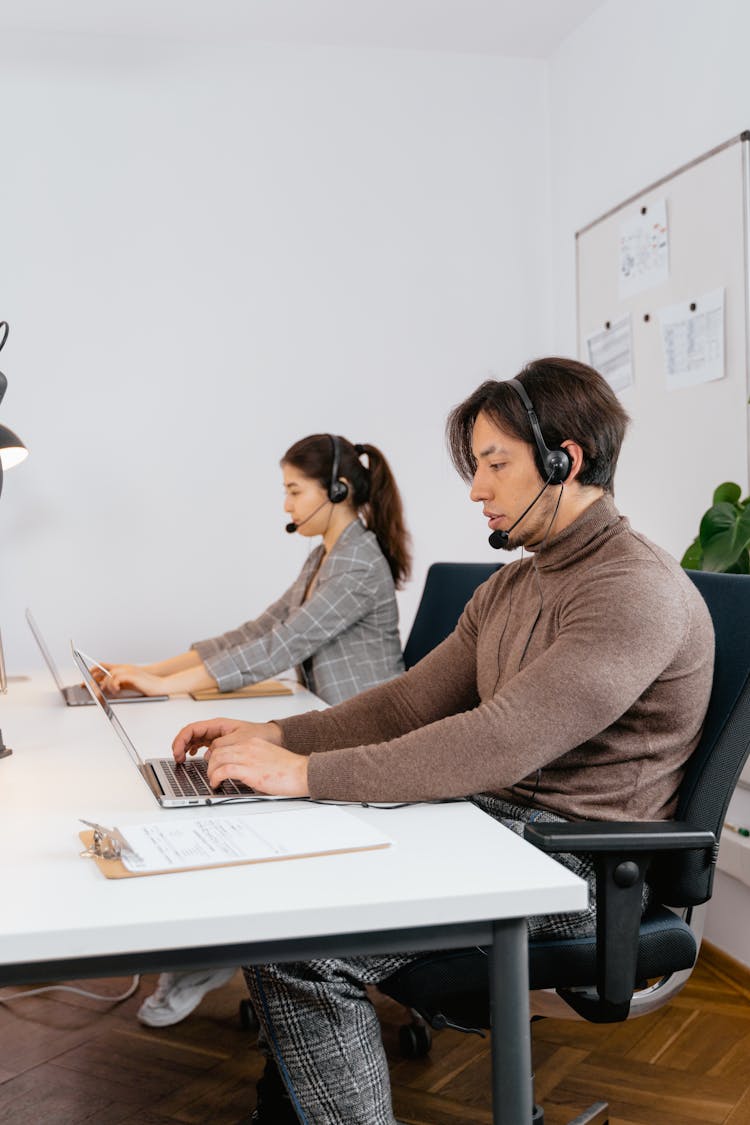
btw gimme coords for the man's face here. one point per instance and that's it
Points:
(506, 481)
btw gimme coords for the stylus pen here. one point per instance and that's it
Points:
(94, 662)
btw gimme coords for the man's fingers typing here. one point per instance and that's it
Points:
(195, 735)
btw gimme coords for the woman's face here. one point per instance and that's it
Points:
(306, 502)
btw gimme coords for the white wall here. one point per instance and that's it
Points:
(638, 90)
(208, 252)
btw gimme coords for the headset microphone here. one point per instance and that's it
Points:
(499, 539)
(292, 527)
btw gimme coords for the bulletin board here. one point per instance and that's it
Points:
(662, 280)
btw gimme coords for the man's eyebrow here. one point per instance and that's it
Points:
(490, 449)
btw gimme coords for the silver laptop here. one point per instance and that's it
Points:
(76, 695)
(173, 785)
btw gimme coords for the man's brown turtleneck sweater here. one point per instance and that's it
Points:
(576, 680)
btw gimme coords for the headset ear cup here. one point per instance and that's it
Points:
(338, 491)
(558, 465)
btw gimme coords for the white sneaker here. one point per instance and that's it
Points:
(178, 994)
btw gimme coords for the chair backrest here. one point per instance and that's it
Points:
(714, 768)
(447, 589)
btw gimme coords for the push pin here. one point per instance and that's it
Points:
(5, 751)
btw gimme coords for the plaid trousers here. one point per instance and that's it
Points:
(322, 1030)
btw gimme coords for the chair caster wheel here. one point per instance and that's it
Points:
(248, 1018)
(415, 1040)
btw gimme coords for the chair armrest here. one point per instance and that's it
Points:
(621, 852)
(617, 836)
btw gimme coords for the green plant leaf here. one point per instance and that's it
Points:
(693, 557)
(728, 493)
(724, 535)
(742, 566)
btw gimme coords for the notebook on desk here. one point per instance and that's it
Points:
(174, 785)
(249, 691)
(76, 695)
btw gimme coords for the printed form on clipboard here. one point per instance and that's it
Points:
(193, 843)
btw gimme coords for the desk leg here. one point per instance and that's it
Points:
(512, 1099)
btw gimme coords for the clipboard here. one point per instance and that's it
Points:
(110, 867)
(104, 846)
(249, 691)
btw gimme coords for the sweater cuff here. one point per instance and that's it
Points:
(334, 777)
(302, 733)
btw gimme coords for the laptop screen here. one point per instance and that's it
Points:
(44, 650)
(101, 701)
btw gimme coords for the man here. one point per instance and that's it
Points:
(574, 687)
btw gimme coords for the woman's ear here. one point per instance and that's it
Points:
(350, 487)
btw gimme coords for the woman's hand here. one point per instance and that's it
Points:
(100, 675)
(131, 676)
(247, 752)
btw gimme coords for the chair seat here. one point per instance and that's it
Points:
(455, 983)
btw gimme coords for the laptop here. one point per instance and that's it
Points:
(174, 785)
(76, 695)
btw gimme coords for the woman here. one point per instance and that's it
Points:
(337, 624)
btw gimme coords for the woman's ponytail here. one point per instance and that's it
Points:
(383, 513)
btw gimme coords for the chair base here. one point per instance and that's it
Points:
(597, 1114)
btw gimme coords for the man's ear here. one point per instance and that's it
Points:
(575, 452)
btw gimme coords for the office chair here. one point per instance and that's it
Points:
(632, 965)
(447, 589)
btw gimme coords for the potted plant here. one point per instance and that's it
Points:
(723, 539)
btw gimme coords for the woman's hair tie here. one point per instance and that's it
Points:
(359, 449)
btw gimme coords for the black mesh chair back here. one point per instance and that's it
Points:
(447, 589)
(713, 770)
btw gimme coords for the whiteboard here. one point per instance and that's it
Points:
(681, 443)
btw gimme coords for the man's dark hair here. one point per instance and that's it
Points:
(572, 402)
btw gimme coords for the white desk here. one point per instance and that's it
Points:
(453, 878)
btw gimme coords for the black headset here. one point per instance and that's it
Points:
(555, 462)
(338, 490)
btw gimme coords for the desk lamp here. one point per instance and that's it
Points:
(12, 452)
(12, 449)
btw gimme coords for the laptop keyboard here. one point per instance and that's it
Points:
(190, 779)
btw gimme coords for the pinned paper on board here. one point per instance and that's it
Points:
(693, 340)
(610, 352)
(644, 249)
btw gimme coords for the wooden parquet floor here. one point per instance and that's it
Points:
(66, 1060)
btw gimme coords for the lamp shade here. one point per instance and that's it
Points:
(12, 449)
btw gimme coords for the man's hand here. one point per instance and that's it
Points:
(248, 752)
